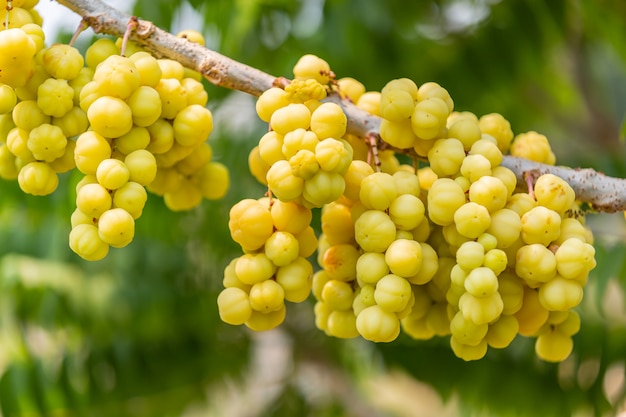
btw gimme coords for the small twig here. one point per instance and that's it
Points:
(132, 25)
(372, 139)
(82, 26)
(529, 177)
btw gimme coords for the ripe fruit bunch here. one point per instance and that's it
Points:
(276, 238)
(524, 274)
(455, 248)
(504, 278)
(413, 117)
(149, 127)
(303, 157)
(376, 246)
(126, 123)
(43, 115)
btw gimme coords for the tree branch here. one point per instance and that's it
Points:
(603, 193)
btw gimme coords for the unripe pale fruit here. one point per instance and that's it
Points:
(328, 121)
(534, 146)
(267, 296)
(506, 226)
(466, 130)
(47, 142)
(252, 268)
(8, 98)
(116, 227)
(560, 294)
(431, 89)
(85, 241)
(574, 257)
(93, 199)
(392, 293)
(260, 322)
(296, 279)
(282, 248)
(250, 224)
(110, 117)
(234, 306)
(72, 123)
(27, 115)
(145, 104)
(374, 231)
(502, 332)
(173, 97)
(131, 197)
(489, 149)
(396, 104)
(148, 67)
(112, 173)
(378, 325)
(489, 192)
(444, 198)
(398, 134)
(554, 193)
(271, 147)
(117, 76)
(371, 267)
(540, 225)
(55, 97)
(282, 182)
(496, 260)
(311, 66)
(333, 155)
(553, 346)
(407, 211)
(428, 120)
(472, 219)
(446, 156)
(468, 352)
(466, 331)
(338, 295)
(290, 216)
(342, 324)
(404, 257)
(481, 282)
(535, 262)
(324, 187)
(498, 127)
(296, 140)
(62, 61)
(378, 191)
(291, 117)
(481, 309)
(271, 100)
(470, 255)
(37, 178)
(193, 125)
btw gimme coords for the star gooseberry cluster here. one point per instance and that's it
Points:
(454, 248)
(128, 123)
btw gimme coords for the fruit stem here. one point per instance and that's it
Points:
(373, 151)
(79, 29)
(133, 22)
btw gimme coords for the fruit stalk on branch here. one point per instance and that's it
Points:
(603, 193)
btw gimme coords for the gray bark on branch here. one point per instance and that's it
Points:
(603, 193)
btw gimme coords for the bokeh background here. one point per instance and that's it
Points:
(138, 334)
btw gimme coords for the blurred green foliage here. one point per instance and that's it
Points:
(137, 334)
